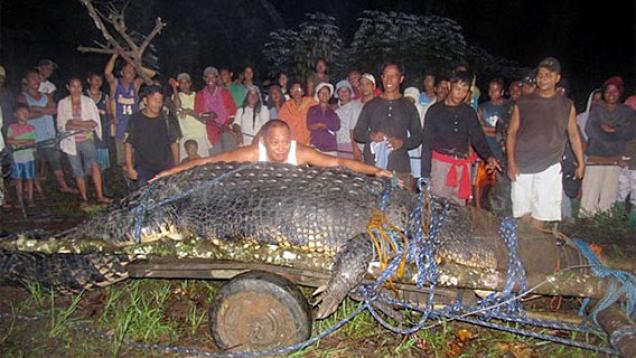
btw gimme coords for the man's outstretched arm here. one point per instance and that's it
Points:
(243, 154)
(313, 157)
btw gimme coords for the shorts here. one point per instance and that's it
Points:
(120, 155)
(51, 155)
(538, 194)
(103, 158)
(86, 154)
(23, 170)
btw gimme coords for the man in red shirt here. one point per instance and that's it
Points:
(215, 105)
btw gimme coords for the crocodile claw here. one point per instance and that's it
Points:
(351, 264)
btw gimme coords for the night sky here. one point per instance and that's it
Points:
(593, 40)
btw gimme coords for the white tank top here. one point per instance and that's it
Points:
(291, 157)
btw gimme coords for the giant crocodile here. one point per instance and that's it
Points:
(302, 217)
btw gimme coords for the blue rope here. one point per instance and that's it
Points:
(515, 275)
(422, 248)
(621, 283)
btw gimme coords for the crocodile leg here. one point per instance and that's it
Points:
(351, 265)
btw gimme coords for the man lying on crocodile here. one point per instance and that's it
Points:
(276, 145)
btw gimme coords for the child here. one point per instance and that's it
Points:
(22, 134)
(191, 148)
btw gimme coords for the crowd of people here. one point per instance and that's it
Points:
(523, 142)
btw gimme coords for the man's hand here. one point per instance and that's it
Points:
(580, 171)
(513, 171)
(383, 173)
(317, 126)
(377, 136)
(492, 164)
(164, 173)
(208, 115)
(395, 143)
(132, 173)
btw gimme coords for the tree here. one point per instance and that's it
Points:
(416, 42)
(486, 64)
(129, 44)
(296, 51)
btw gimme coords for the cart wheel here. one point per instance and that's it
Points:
(257, 311)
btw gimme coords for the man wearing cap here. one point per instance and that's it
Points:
(323, 122)
(541, 123)
(46, 68)
(215, 105)
(190, 125)
(124, 95)
(348, 112)
(391, 126)
(367, 88)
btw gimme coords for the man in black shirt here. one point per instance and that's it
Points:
(391, 126)
(450, 128)
(153, 138)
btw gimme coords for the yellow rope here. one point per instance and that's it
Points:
(385, 249)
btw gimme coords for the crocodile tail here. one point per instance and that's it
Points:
(66, 273)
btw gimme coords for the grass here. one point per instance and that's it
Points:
(60, 319)
(195, 318)
(173, 312)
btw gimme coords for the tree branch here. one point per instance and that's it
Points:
(100, 26)
(103, 50)
(120, 27)
(159, 25)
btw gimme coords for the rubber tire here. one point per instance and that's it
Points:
(257, 311)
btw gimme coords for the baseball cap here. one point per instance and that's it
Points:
(47, 62)
(369, 77)
(210, 71)
(184, 77)
(343, 84)
(551, 64)
(412, 92)
(320, 86)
